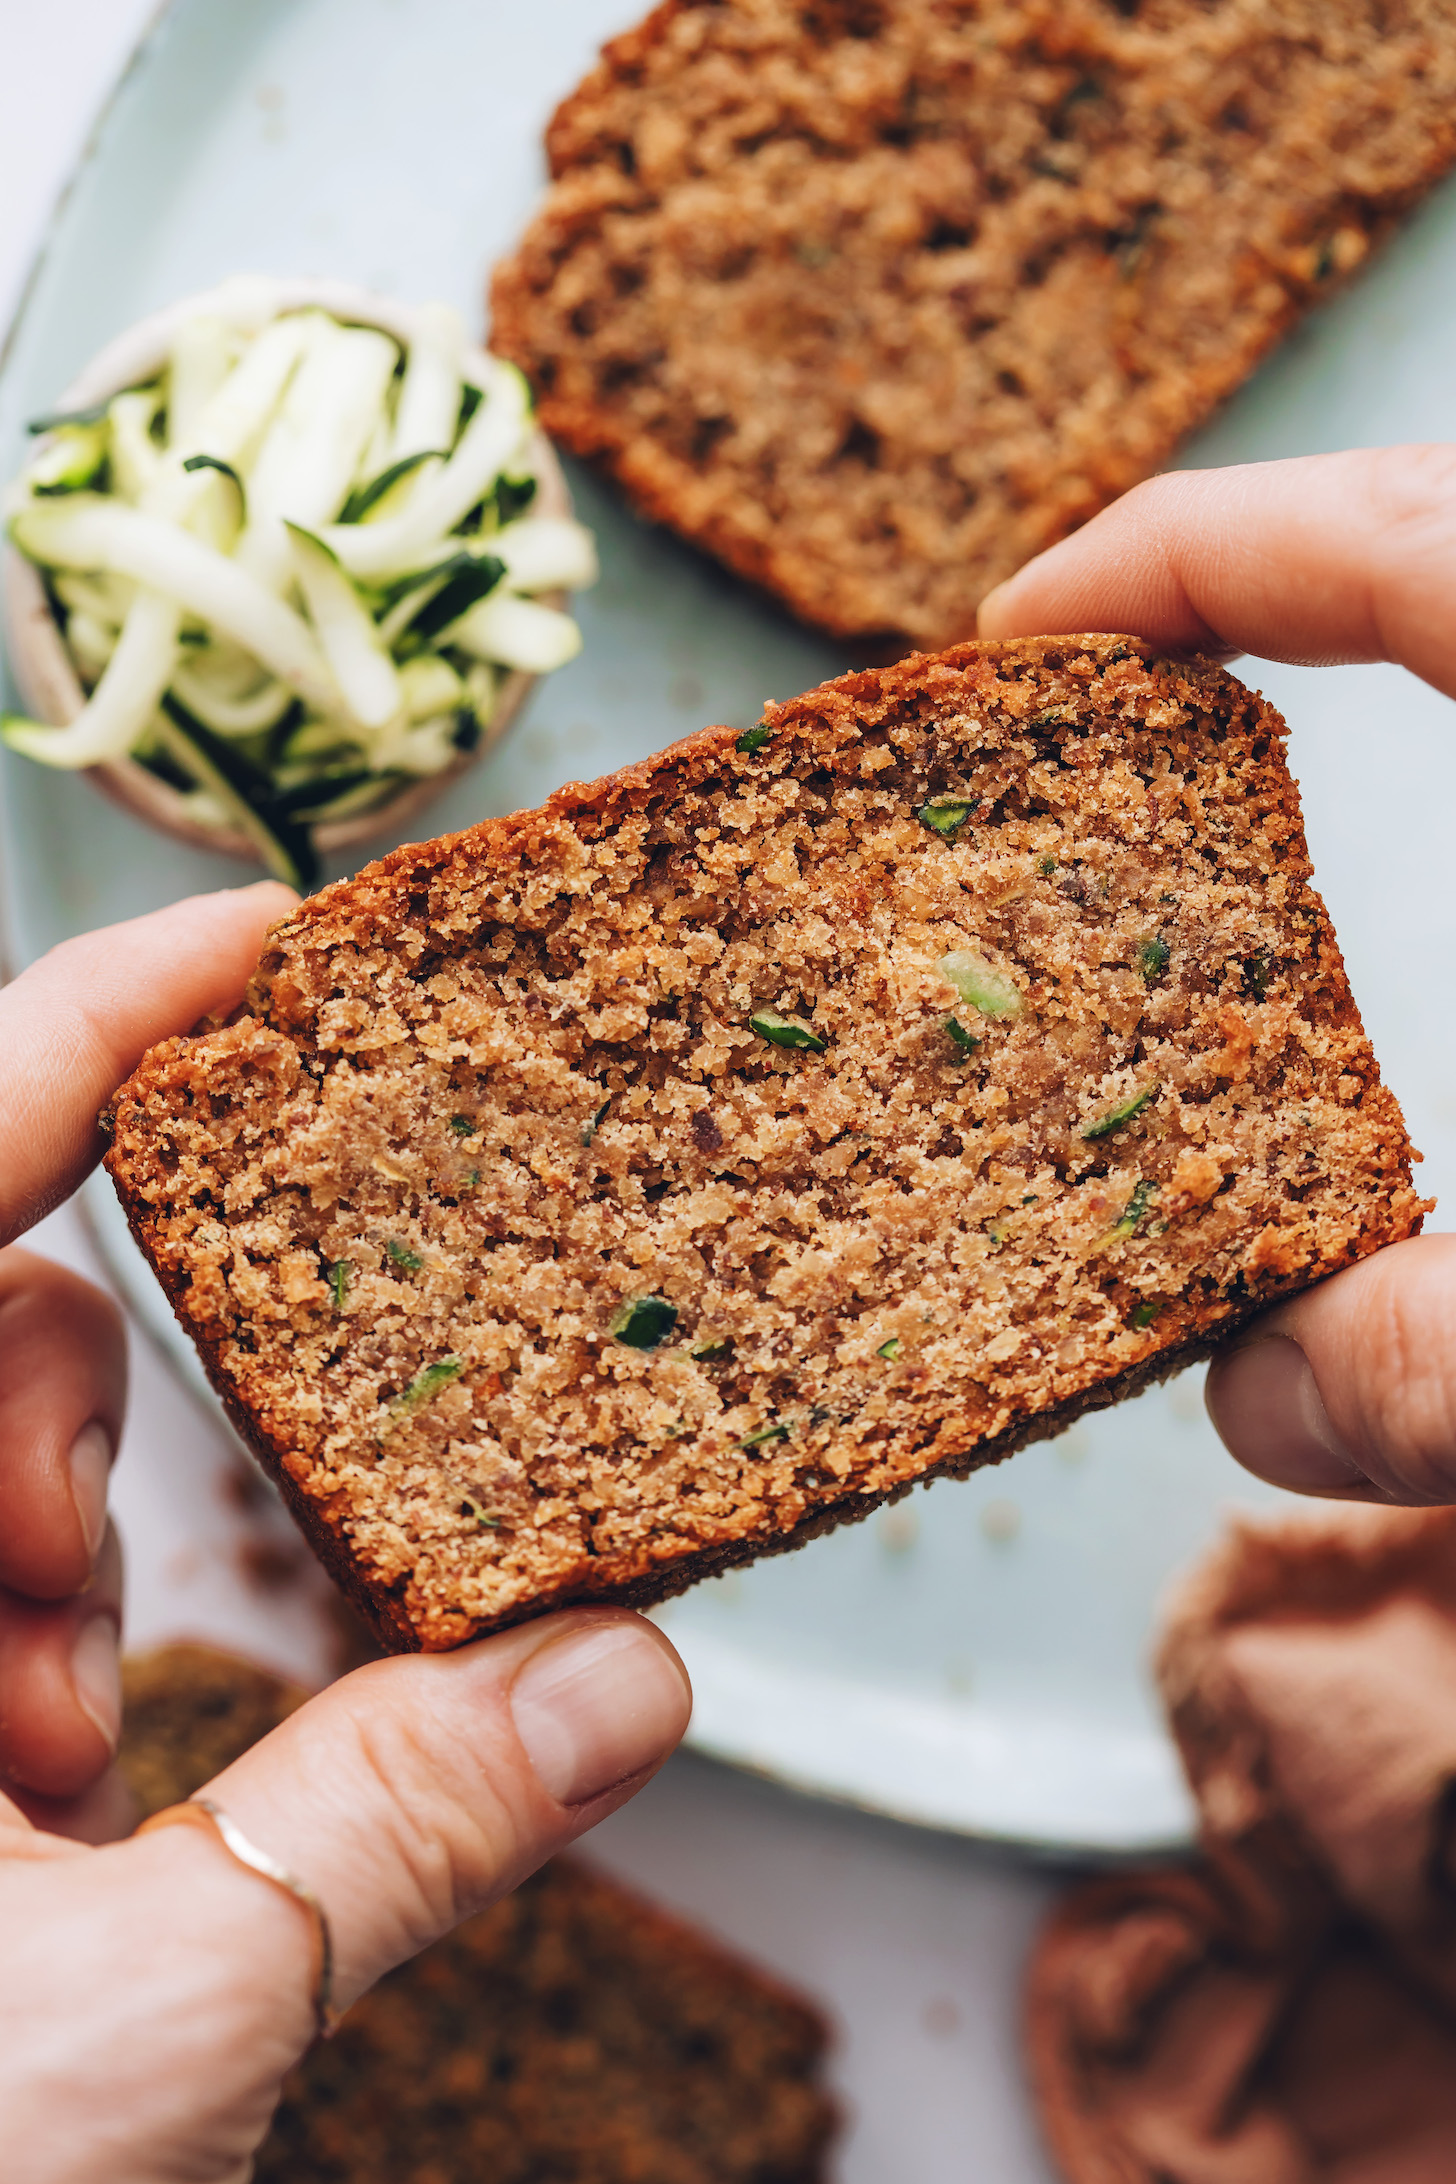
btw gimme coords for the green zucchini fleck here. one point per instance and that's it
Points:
(1123, 1112)
(1046, 866)
(1152, 959)
(590, 1129)
(716, 1346)
(1143, 1315)
(783, 1031)
(1136, 1208)
(946, 816)
(1258, 970)
(965, 1040)
(996, 1231)
(754, 739)
(765, 1433)
(483, 1517)
(341, 1275)
(462, 1125)
(643, 1322)
(976, 982)
(890, 1349)
(402, 1255)
(425, 1386)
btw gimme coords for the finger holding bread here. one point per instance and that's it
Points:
(1317, 560)
(75, 1021)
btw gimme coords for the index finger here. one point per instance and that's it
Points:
(78, 1020)
(1326, 558)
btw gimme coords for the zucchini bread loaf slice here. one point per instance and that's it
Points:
(629, 1188)
(874, 299)
(572, 2034)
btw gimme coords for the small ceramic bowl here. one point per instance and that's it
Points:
(42, 667)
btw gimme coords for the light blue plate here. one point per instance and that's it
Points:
(976, 1657)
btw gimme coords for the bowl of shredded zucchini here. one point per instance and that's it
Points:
(284, 560)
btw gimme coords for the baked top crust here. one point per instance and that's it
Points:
(628, 1188)
(874, 299)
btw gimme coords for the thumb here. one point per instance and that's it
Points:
(1317, 558)
(1350, 1389)
(417, 1790)
(156, 1991)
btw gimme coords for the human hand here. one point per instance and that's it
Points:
(1350, 1389)
(70, 1029)
(154, 1992)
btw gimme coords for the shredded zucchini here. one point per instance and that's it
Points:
(551, 554)
(362, 667)
(296, 566)
(242, 794)
(429, 397)
(490, 441)
(136, 458)
(124, 700)
(517, 633)
(89, 532)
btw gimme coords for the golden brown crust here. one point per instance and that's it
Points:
(874, 300)
(496, 1087)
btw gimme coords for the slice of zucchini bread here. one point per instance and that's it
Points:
(572, 2034)
(874, 299)
(629, 1188)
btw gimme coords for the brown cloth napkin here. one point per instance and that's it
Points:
(1281, 2010)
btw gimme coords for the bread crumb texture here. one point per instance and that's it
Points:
(570, 2035)
(189, 1712)
(624, 1189)
(875, 299)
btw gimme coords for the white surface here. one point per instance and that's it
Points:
(58, 61)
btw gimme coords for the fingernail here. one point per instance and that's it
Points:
(90, 1476)
(96, 1675)
(1268, 1411)
(596, 1706)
